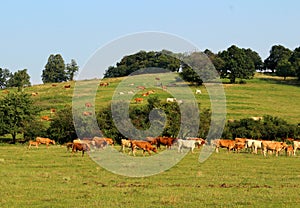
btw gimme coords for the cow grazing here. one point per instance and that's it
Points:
(54, 85)
(239, 146)
(273, 146)
(46, 118)
(33, 143)
(141, 87)
(189, 144)
(138, 100)
(88, 105)
(224, 143)
(52, 110)
(145, 146)
(45, 141)
(171, 100)
(289, 150)
(296, 146)
(34, 94)
(125, 143)
(67, 86)
(104, 84)
(198, 91)
(69, 145)
(166, 141)
(80, 147)
(257, 118)
(87, 113)
(200, 141)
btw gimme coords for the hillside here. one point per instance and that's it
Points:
(260, 96)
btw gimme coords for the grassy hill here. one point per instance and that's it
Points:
(260, 96)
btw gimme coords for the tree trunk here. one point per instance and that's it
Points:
(14, 135)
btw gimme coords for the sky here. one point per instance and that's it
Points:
(31, 30)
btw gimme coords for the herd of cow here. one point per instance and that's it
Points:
(152, 144)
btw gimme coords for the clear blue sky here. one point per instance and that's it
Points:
(31, 30)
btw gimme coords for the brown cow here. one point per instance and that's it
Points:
(45, 141)
(86, 113)
(289, 150)
(166, 141)
(80, 147)
(225, 143)
(145, 146)
(69, 145)
(138, 100)
(88, 105)
(242, 140)
(67, 86)
(239, 145)
(104, 84)
(33, 143)
(273, 146)
(45, 118)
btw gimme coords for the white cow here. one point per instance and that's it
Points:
(296, 146)
(198, 91)
(256, 145)
(189, 144)
(171, 100)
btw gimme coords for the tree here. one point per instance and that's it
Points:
(254, 56)
(295, 61)
(16, 109)
(277, 53)
(284, 68)
(54, 69)
(62, 127)
(237, 64)
(72, 69)
(19, 79)
(4, 77)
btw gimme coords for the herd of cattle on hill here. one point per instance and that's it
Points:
(152, 144)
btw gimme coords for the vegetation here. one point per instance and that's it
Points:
(53, 178)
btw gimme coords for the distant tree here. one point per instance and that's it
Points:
(216, 60)
(237, 64)
(71, 69)
(143, 62)
(277, 53)
(284, 69)
(19, 79)
(295, 61)
(4, 77)
(54, 70)
(16, 110)
(254, 56)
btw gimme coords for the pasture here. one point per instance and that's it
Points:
(262, 95)
(53, 178)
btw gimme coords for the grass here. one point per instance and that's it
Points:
(262, 95)
(53, 178)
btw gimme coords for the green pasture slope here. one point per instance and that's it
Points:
(262, 95)
(53, 178)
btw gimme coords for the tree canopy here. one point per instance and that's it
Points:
(54, 70)
(19, 79)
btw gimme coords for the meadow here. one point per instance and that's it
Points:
(54, 178)
(262, 95)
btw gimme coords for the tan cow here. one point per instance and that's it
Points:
(225, 143)
(145, 146)
(125, 143)
(273, 146)
(45, 141)
(289, 150)
(33, 143)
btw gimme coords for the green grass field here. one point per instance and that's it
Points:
(262, 95)
(53, 178)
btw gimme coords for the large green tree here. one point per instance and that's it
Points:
(16, 110)
(19, 79)
(237, 64)
(54, 70)
(277, 53)
(284, 68)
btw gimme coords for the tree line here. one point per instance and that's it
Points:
(55, 71)
(233, 63)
